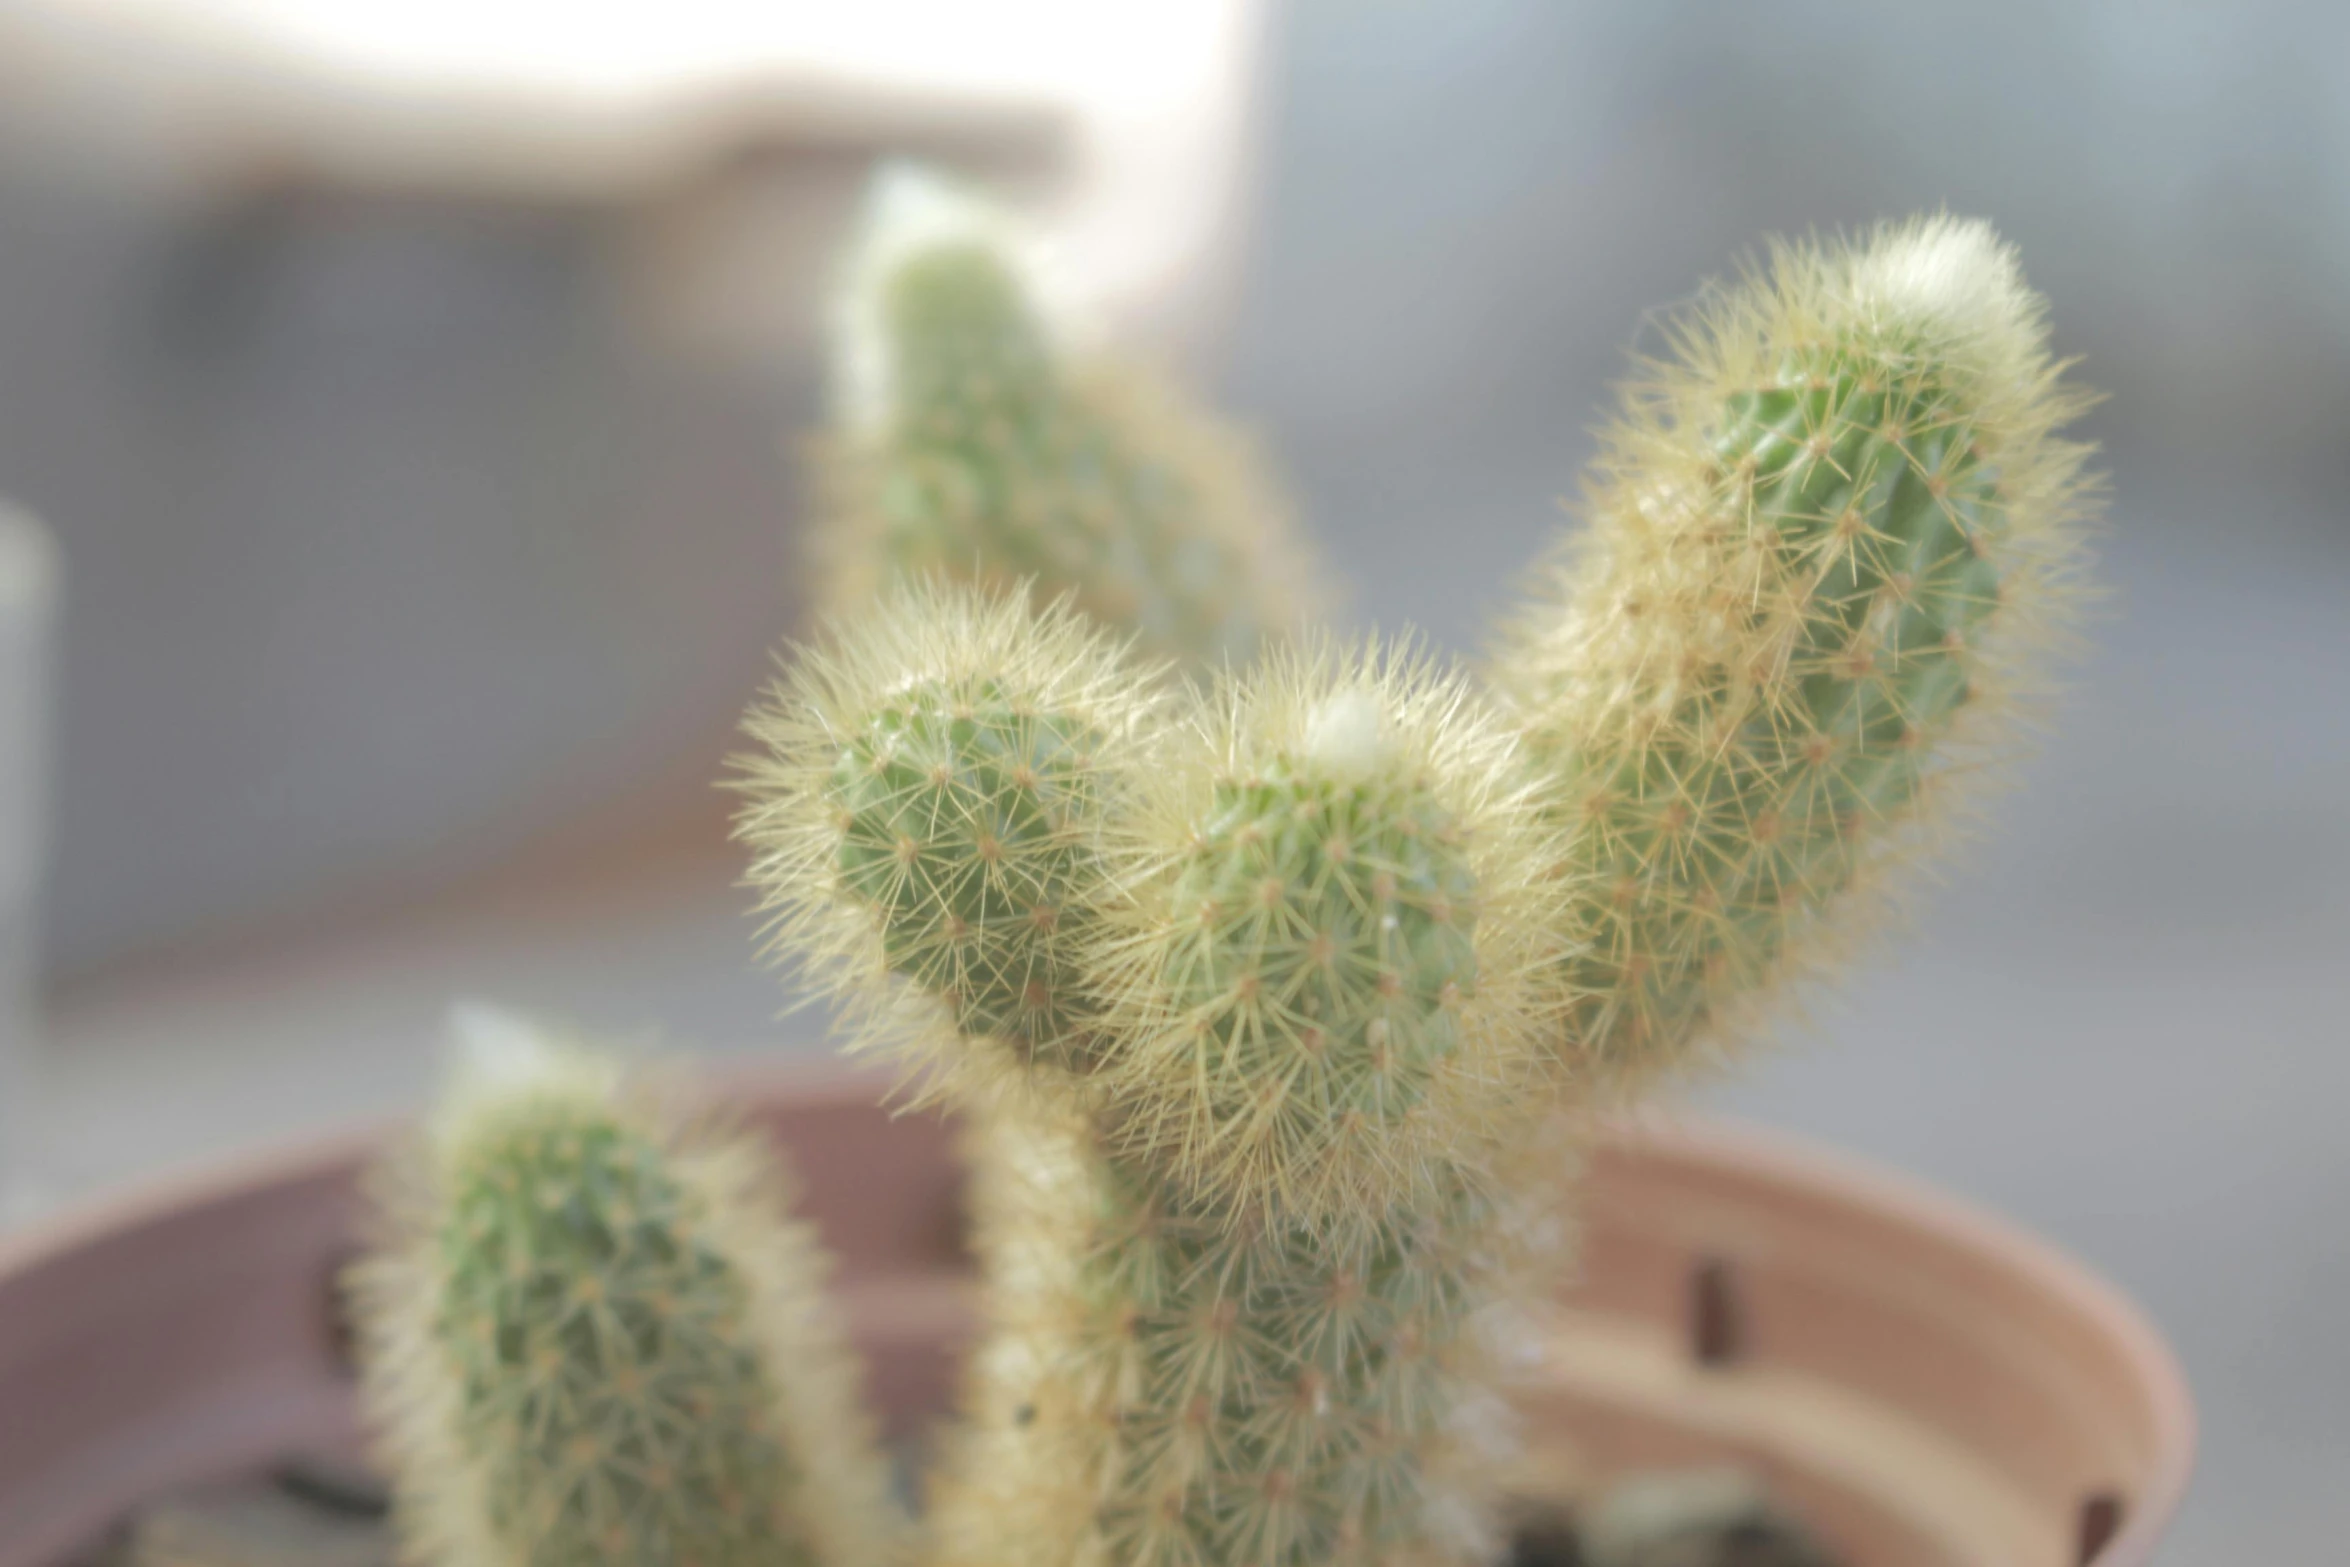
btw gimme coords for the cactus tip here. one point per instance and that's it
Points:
(911, 210)
(1955, 281)
(1347, 734)
(494, 1056)
(490, 1044)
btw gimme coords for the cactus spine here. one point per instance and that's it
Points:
(595, 1337)
(1262, 1275)
(971, 446)
(1825, 549)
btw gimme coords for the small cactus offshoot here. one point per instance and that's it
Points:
(971, 443)
(594, 1335)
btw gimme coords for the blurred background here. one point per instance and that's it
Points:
(412, 390)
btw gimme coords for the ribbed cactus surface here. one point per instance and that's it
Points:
(1330, 954)
(1821, 542)
(608, 1389)
(598, 1340)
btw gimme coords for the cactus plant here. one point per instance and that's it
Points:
(1276, 1002)
(1825, 546)
(970, 442)
(593, 1335)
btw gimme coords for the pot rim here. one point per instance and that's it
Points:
(1718, 1146)
(1732, 1148)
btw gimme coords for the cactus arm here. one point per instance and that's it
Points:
(1828, 547)
(925, 804)
(972, 446)
(1329, 968)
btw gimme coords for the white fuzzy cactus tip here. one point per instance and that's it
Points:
(911, 210)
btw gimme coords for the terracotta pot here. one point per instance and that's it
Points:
(1927, 1387)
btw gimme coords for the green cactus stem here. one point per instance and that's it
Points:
(1159, 1386)
(1339, 953)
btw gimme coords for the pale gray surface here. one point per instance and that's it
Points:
(2122, 1021)
(389, 544)
(28, 627)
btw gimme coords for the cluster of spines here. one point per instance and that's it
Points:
(1824, 544)
(594, 1335)
(974, 449)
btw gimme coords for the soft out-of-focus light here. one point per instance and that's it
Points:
(544, 97)
(623, 51)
